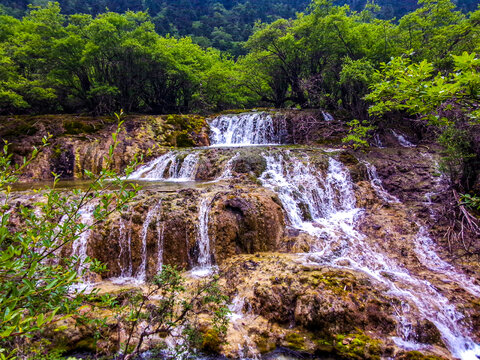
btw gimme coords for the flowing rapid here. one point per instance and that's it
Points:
(324, 206)
(319, 200)
(322, 203)
(204, 259)
(80, 244)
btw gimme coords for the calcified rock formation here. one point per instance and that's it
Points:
(367, 280)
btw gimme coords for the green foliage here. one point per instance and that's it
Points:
(325, 57)
(418, 89)
(471, 201)
(178, 308)
(358, 134)
(52, 63)
(447, 101)
(36, 287)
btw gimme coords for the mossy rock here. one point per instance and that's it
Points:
(357, 346)
(265, 344)
(18, 128)
(417, 355)
(186, 122)
(254, 163)
(184, 128)
(295, 341)
(211, 342)
(79, 127)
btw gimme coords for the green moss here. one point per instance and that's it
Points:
(18, 128)
(324, 345)
(337, 283)
(78, 127)
(265, 344)
(211, 342)
(184, 127)
(357, 346)
(295, 341)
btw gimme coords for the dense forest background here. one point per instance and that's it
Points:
(326, 57)
(223, 24)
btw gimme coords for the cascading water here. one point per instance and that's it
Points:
(322, 204)
(204, 260)
(171, 166)
(309, 199)
(141, 274)
(331, 219)
(80, 244)
(377, 141)
(425, 250)
(327, 116)
(160, 244)
(402, 140)
(246, 129)
(378, 185)
(227, 171)
(124, 261)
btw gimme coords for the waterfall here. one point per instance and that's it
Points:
(125, 243)
(171, 166)
(377, 184)
(204, 260)
(402, 140)
(141, 274)
(227, 170)
(160, 245)
(246, 129)
(80, 244)
(327, 116)
(377, 141)
(324, 207)
(425, 250)
(308, 198)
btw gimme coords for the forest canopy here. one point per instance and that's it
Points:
(325, 57)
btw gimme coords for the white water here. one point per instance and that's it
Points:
(246, 129)
(236, 309)
(141, 274)
(327, 116)
(317, 205)
(402, 140)
(227, 170)
(425, 250)
(125, 243)
(80, 244)
(377, 141)
(378, 185)
(204, 260)
(324, 207)
(171, 166)
(160, 244)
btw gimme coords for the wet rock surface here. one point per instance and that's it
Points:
(325, 252)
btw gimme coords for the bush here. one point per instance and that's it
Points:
(35, 285)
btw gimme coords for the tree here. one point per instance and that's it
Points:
(177, 311)
(449, 102)
(35, 284)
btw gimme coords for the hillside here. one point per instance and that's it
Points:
(223, 24)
